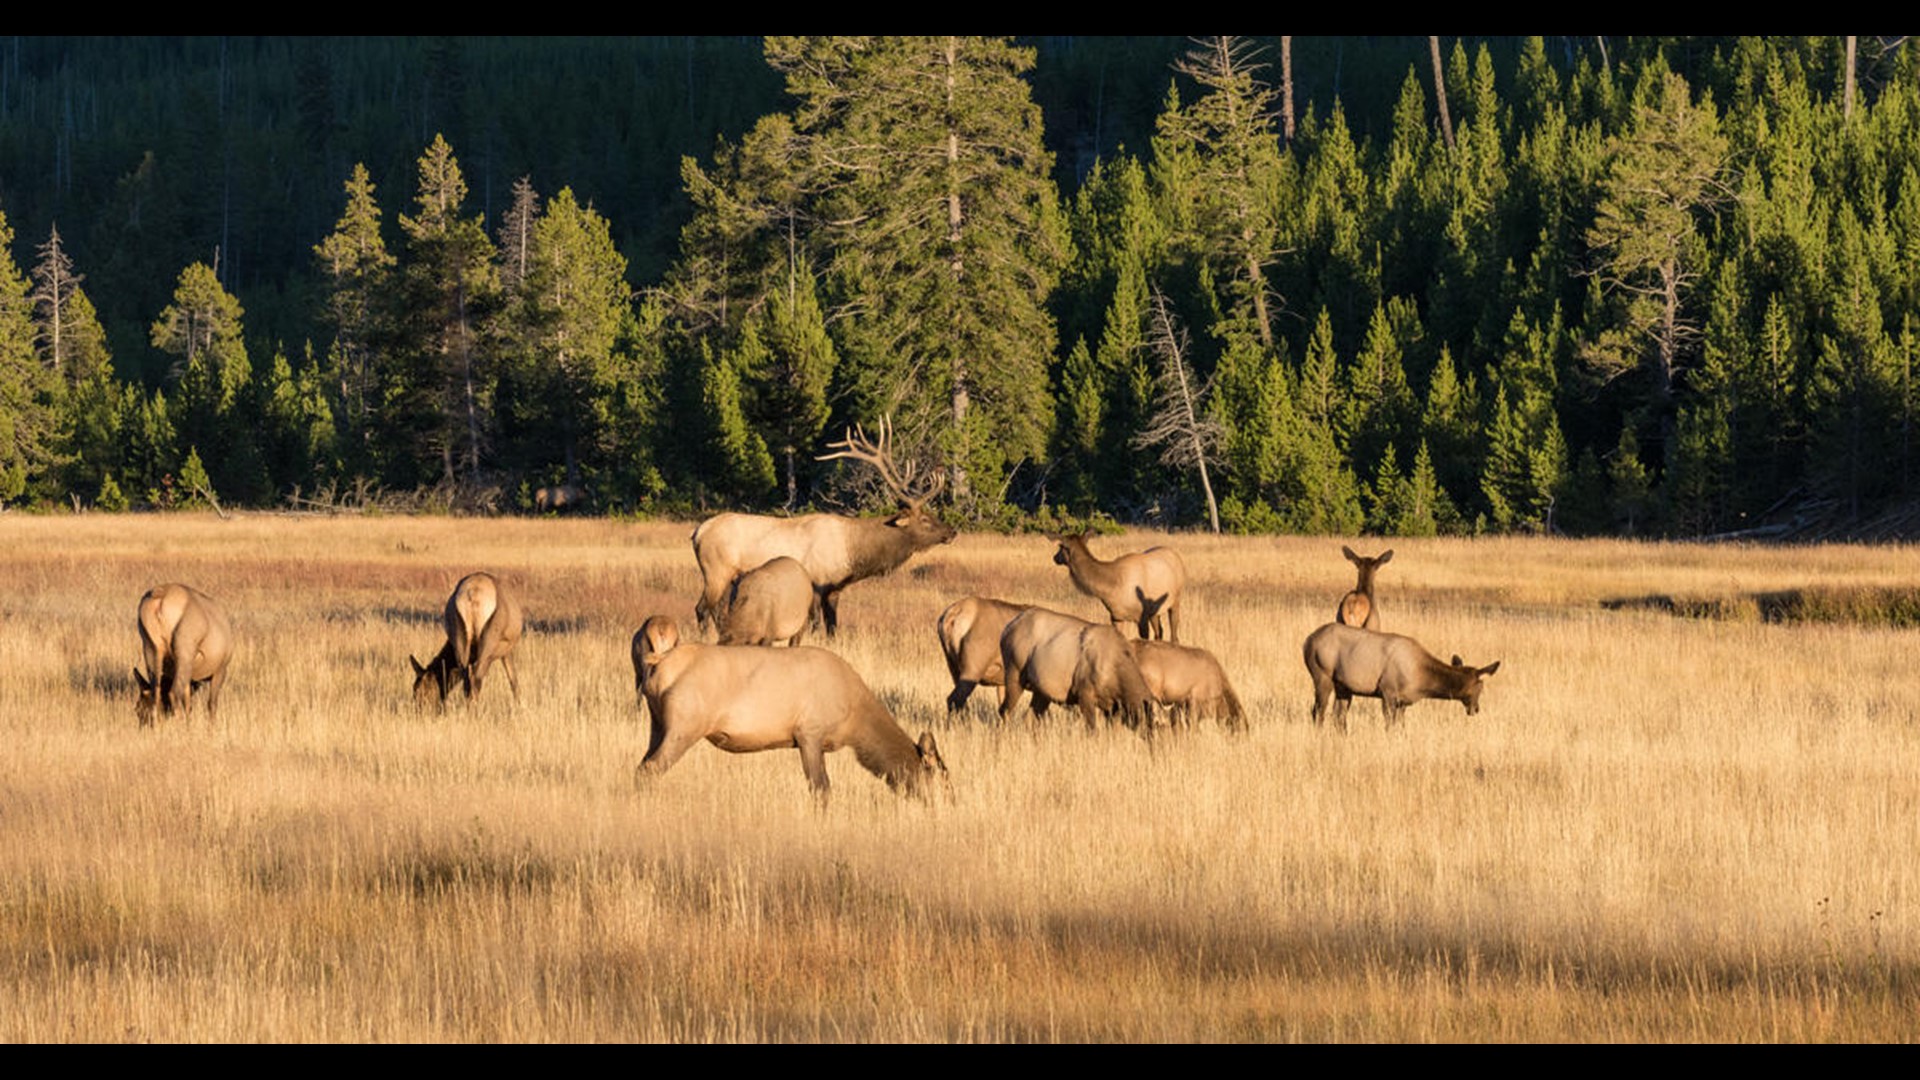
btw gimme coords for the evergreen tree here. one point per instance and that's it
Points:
(27, 419)
(1661, 177)
(1225, 167)
(945, 235)
(203, 328)
(357, 274)
(450, 284)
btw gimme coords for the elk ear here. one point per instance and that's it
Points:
(1490, 669)
(1457, 662)
(1348, 552)
(1384, 556)
(930, 752)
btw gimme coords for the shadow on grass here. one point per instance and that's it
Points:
(1859, 606)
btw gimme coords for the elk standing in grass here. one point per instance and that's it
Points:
(772, 603)
(835, 550)
(1347, 661)
(484, 620)
(969, 632)
(745, 698)
(1072, 661)
(185, 641)
(1139, 589)
(1358, 607)
(1189, 682)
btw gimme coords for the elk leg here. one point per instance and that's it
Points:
(213, 691)
(1041, 703)
(813, 758)
(1322, 690)
(962, 690)
(1173, 621)
(186, 646)
(513, 682)
(665, 749)
(1341, 701)
(830, 611)
(1010, 691)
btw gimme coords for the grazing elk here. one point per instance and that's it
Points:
(836, 550)
(1358, 607)
(771, 603)
(185, 641)
(969, 632)
(1345, 661)
(1138, 588)
(746, 698)
(484, 620)
(1072, 661)
(1189, 682)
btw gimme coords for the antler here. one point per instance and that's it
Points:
(857, 447)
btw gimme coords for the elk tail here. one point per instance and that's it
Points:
(952, 626)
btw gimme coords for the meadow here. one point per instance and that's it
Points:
(1677, 817)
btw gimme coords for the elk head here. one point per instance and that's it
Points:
(433, 681)
(922, 528)
(929, 770)
(1472, 679)
(149, 698)
(1063, 555)
(1366, 567)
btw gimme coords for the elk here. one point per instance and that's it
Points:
(559, 498)
(747, 698)
(1137, 589)
(1061, 658)
(969, 632)
(484, 620)
(836, 550)
(1345, 661)
(1188, 681)
(185, 641)
(771, 603)
(1358, 607)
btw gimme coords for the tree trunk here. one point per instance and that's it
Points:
(1440, 92)
(1847, 110)
(1286, 90)
(960, 400)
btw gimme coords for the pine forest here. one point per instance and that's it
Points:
(1662, 287)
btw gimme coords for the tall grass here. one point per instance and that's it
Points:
(1658, 828)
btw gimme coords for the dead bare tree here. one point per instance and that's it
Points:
(1179, 426)
(1440, 92)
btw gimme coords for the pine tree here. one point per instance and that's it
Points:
(203, 328)
(1227, 171)
(357, 274)
(451, 282)
(946, 239)
(27, 420)
(1662, 176)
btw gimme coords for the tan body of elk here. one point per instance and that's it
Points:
(185, 641)
(969, 633)
(836, 550)
(770, 604)
(1140, 590)
(747, 698)
(1063, 659)
(484, 620)
(1358, 607)
(559, 497)
(1189, 682)
(1347, 662)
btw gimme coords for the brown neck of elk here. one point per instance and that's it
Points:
(1091, 573)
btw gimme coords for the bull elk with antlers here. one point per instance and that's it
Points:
(836, 550)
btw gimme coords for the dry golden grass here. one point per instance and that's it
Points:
(1658, 828)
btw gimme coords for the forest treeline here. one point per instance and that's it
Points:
(1590, 286)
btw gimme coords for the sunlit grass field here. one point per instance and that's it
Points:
(1660, 827)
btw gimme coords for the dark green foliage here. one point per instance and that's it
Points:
(1670, 288)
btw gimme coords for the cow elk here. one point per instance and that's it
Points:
(483, 620)
(559, 498)
(969, 632)
(185, 642)
(1358, 607)
(1063, 659)
(1348, 661)
(747, 698)
(1140, 590)
(836, 550)
(772, 603)
(1189, 682)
